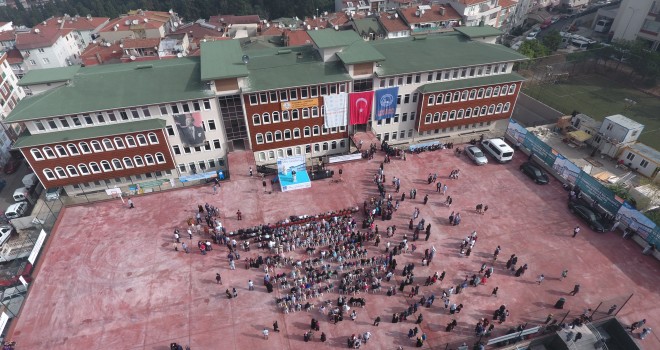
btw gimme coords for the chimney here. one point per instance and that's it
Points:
(442, 10)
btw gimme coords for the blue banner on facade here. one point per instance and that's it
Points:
(386, 102)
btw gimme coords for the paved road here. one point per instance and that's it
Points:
(530, 112)
(13, 182)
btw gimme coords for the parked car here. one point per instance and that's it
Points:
(535, 173)
(5, 232)
(53, 193)
(586, 214)
(474, 153)
(12, 165)
(17, 210)
(532, 35)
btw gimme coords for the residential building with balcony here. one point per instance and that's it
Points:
(115, 125)
(84, 29)
(637, 19)
(476, 12)
(424, 19)
(10, 95)
(394, 25)
(369, 28)
(237, 26)
(48, 48)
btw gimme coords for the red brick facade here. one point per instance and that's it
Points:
(146, 148)
(281, 126)
(463, 104)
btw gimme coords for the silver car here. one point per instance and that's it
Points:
(474, 153)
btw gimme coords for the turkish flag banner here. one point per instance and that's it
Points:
(360, 106)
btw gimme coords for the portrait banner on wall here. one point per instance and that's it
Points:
(386, 103)
(336, 110)
(191, 128)
(360, 106)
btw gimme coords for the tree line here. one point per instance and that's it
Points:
(189, 10)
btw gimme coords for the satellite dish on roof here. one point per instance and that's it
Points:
(245, 59)
(336, 27)
(179, 55)
(132, 58)
(36, 30)
(309, 27)
(396, 15)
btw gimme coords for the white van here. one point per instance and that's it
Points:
(498, 149)
(17, 210)
(21, 194)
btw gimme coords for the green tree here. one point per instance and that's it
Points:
(552, 40)
(533, 49)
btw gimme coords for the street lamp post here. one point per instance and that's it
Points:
(625, 31)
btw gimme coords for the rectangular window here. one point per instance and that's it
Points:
(644, 163)
(412, 116)
(304, 93)
(176, 149)
(333, 88)
(406, 98)
(404, 117)
(263, 97)
(398, 99)
(409, 79)
(146, 112)
(207, 105)
(175, 108)
(100, 118)
(64, 122)
(135, 113)
(186, 150)
(273, 96)
(418, 78)
(196, 106)
(170, 130)
(414, 97)
(313, 91)
(211, 124)
(324, 90)
(253, 99)
(216, 144)
(112, 117)
(284, 96)
(52, 124)
(429, 77)
(40, 126)
(454, 74)
(293, 94)
(447, 75)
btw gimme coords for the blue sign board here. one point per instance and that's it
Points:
(386, 102)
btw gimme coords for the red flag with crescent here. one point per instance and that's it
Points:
(360, 106)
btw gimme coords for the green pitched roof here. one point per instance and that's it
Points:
(327, 38)
(439, 51)
(86, 133)
(472, 82)
(50, 75)
(222, 59)
(291, 66)
(478, 32)
(359, 52)
(114, 86)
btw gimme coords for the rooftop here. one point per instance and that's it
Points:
(297, 38)
(14, 56)
(624, 121)
(8, 35)
(359, 52)
(231, 19)
(76, 23)
(471, 2)
(48, 75)
(141, 43)
(38, 38)
(393, 22)
(97, 89)
(138, 20)
(507, 3)
(367, 26)
(472, 82)
(295, 66)
(100, 53)
(328, 38)
(478, 31)
(87, 133)
(646, 151)
(198, 30)
(437, 13)
(408, 55)
(222, 60)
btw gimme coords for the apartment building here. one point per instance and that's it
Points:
(84, 29)
(47, 47)
(140, 24)
(10, 95)
(97, 127)
(476, 12)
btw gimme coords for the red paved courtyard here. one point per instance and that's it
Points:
(111, 280)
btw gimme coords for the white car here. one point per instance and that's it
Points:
(5, 232)
(532, 35)
(474, 153)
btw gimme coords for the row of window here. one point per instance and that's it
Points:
(73, 149)
(103, 166)
(187, 150)
(119, 115)
(278, 135)
(466, 95)
(293, 114)
(395, 119)
(445, 75)
(295, 94)
(467, 113)
(121, 181)
(401, 134)
(201, 165)
(298, 150)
